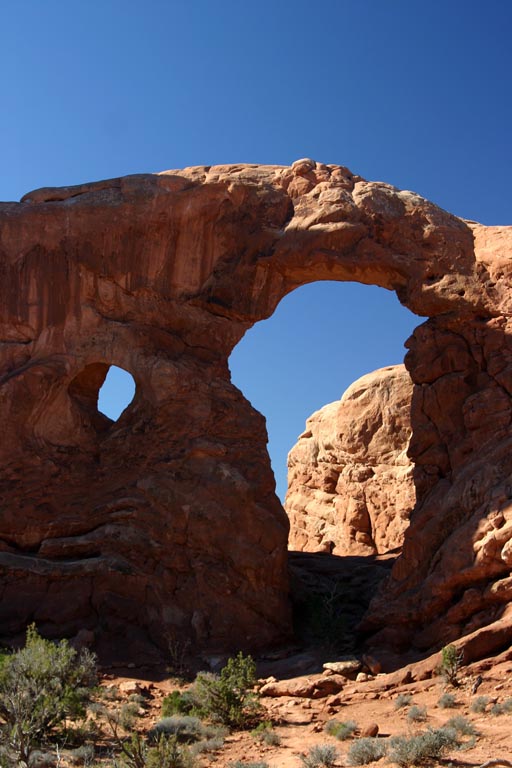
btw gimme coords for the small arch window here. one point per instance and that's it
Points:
(116, 393)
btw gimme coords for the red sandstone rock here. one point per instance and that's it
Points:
(316, 687)
(350, 481)
(370, 731)
(166, 523)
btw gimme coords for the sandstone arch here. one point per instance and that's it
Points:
(172, 512)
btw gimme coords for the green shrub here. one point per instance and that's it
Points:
(451, 661)
(265, 733)
(321, 618)
(403, 700)
(177, 703)
(228, 698)
(366, 750)
(447, 701)
(421, 749)
(479, 705)
(164, 752)
(416, 714)
(168, 753)
(340, 730)
(320, 755)
(41, 686)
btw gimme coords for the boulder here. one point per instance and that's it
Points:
(346, 667)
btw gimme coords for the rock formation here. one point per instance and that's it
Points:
(350, 481)
(166, 523)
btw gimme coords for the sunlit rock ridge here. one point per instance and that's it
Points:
(350, 480)
(166, 522)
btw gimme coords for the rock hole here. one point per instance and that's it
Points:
(116, 393)
(320, 339)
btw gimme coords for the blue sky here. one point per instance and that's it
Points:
(411, 92)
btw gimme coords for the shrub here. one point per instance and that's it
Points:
(447, 701)
(40, 686)
(83, 755)
(265, 733)
(416, 714)
(137, 698)
(423, 748)
(228, 698)
(209, 744)
(340, 731)
(451, 660)
(479, 705)
(242, 764)
(320, 755)
(321, 618)
(186, 729)
(501, 709)
(168, 753)
(177, 703)
(127, 715)
(108, 693)
(461, 725)
(134, 750)
(366, 750)
(403, 700)
(165, 752)
(178, 650)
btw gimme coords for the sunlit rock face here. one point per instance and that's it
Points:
(166, 523)
(350, 481)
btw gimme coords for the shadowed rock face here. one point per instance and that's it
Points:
(166, 523)
(350, 481)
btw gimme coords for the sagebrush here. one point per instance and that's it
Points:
(41, 686)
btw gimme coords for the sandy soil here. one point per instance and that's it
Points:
(300, 722)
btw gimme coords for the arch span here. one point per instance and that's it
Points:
(169, 524)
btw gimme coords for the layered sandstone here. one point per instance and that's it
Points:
(166, 523)
(350, 481)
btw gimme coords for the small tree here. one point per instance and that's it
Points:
(451, 661)
(40, 686)
(228, 697)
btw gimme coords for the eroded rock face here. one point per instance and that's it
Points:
(350, 481)
(166, 523)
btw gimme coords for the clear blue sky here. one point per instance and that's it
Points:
(414, 93)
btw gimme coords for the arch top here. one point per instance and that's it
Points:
(233, 240)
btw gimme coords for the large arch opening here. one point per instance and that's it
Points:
(323, 337)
